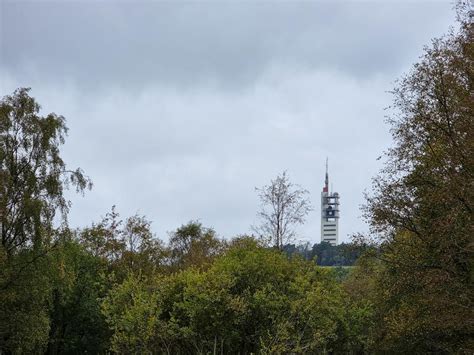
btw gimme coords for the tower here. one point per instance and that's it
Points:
(329, 213)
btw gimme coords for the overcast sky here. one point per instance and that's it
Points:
(178, 110)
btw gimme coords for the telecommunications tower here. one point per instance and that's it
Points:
(329, 213)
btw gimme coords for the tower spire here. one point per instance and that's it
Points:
(326, 180)
(327, 175)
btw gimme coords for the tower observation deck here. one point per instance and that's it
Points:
(329, 213)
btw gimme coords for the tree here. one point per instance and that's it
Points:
(33, 175)
(337, 255)
(143, 252)
(252, 299)
(125, 245)
(33, 178)
(131, 311)
(79, 283)
(104, 239)
(194, 245)
(283, 206)
(423, 203)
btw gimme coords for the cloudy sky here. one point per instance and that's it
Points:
(178, 110)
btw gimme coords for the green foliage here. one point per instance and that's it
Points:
(79, 282)
(194, 245)
(325, 254)
(131, 312)
(363, 297)
(33, 177)
(251, 299)
(125, 246)
(24, 311)
(423, 204)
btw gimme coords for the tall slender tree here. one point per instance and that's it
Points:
(422, 208)
(283, 206)
(33, 175)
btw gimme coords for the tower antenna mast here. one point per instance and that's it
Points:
(326, 181)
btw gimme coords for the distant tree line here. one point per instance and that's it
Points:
(114, 287)
(325, 254)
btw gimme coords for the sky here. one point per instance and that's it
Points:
(178, 110)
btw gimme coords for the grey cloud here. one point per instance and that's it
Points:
(176, 156)
(178, 111)
(229, 45)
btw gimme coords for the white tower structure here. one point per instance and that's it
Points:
(329, 213)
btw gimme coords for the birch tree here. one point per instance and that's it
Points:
(284, 205)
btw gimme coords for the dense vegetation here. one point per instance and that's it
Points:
(325, 254)
(113, 286)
